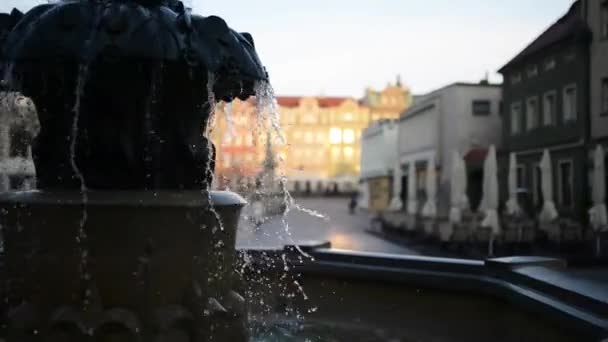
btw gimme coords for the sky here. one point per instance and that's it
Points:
(340, 47)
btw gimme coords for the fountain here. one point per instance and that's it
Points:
(123, 241)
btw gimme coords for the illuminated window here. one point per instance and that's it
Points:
(349, 153)
(348, 116)
(335, 153)
(335, 135)
(320, 137)
(348, 136)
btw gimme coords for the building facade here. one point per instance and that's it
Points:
(596, 14)
(322, 153)
(461, 117)
(239, 147)
(545, 94)
(389, 102)
(378, 158)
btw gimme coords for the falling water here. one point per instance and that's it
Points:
(81, 238)
(229, 119)
(82, 235)
(267, 108)
(211, 102)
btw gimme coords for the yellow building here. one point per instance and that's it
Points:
(323, 149)
(389, 102)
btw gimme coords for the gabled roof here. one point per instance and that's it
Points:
(570, 25)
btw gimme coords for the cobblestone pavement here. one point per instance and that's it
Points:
(343, 230)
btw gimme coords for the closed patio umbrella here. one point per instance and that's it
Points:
(490, 197)
(396, 203)
(458, 188)
(597, 214)
(412, 201)
(513, 207)
(548, 212)
(430, 207)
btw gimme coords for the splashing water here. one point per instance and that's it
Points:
(211, 102)
(229, 119)
(267, 108)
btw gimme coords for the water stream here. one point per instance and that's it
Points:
(81, 237)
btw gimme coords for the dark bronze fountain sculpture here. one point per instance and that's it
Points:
(123, 241)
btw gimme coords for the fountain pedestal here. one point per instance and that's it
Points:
(145, 265)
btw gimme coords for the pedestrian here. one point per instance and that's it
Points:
(352, 205)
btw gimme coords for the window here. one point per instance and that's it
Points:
(532, 71)
(227, 161)
(348, 136)
(320, 137)
(309, 137)
(604, 20)
(335, 153)
(532, 113)
(570, 56)
(482, 107)
(570, 104)
(349, 153)
(515, 118)
(516, 78)
(521, 176)
(604, 110)
(549, 64)
(335, 136)
(549, 108)
(564, 183)
(348, 117)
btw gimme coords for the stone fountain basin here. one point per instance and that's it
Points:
(145, 250)
(381, 297)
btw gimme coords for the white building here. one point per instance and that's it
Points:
(460, 117)
(378, 158)
(18, 127)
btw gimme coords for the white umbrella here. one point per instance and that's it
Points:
(430, 208)
(549, 212)
(412, 201)
(458, 188)
(597, 214)
(513, 207)
(396, 203)
(490, 196)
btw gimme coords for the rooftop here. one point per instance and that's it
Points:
(323, 101)
(570, 26)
